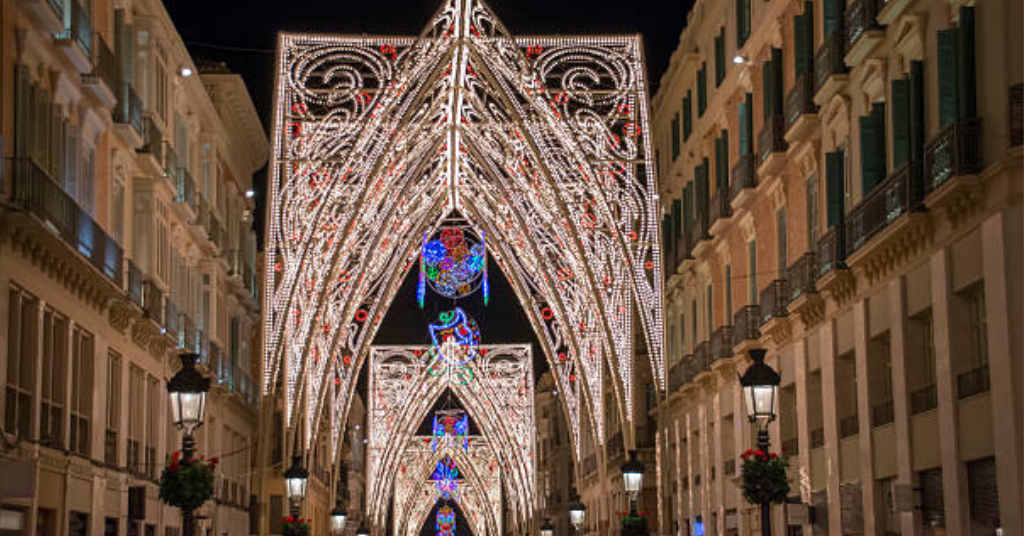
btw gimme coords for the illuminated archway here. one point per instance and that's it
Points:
(541, 143)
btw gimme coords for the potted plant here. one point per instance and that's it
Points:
(187, 483)
(764, 477)
(634, 524)
(295, 526)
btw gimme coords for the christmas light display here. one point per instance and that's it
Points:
(401, 465)
(445, 521)
(455, 337)
(450, 428)
(540, 144)
(454, 264)
(446, 479)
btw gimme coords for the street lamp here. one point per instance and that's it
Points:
(338, 518)
(577, 513)
(760, 390)
(187, 390)
(547, 529)
(632, 479)
(363, 531)
(295, 479)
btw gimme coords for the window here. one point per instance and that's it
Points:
(87, 179)
(152, 424)
(780, 234)
(81, 391)
(675, 137)
(720, 57)
(702, 89)
(709, 299)
(136, 412)
(872, 148)
(117, 208)
(113, 407)
(687, 114)
(956, 55)
(752, 272)
(803, 41)
(54, 363)
(742, 22)
(978, 327)
(834, 17)
(21, 350)
(983, 494)
(835, 187)
(728, 293)
(693, 321)
(746, 124)
(682, 332)
(811, 193)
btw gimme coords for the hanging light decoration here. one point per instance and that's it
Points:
(445, 521)
(450, 427)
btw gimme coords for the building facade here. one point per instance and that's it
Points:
(125, 239)
(841, 185)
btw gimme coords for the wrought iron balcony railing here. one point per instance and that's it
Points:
(771, 139)
(743, 176)
(129, 109)
(721, 208)
(721, 343)
(848, 427)
(883, 413)
(134, 283)
(800, 100)
(35, 192)
(881, 207)
(831, 251)
(186, 187)
(676, 377)
(702, 358)
(861, 17)
(153, 302)
(172, 322)
(973, 382)
(79, 31)
(746, 325)
(104, 64)
(152, 140)
(802, 275)
(774, 299)
(955, 151)
(829, 60)
(924, 399)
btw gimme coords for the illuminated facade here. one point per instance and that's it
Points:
(125, 238)
(841, 184)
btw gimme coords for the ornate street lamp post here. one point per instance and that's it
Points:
(187, 390)
(633, 480)
(363, 531)
(295, 479)
(338, 518)
(577, 514)
(760, 390)
(547, 529)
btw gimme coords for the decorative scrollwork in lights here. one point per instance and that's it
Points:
(541, 144)
(445, 521)
(454, 265)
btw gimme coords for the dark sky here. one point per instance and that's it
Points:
(242, 33)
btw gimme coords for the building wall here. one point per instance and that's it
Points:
(117, 256)
(899, 404)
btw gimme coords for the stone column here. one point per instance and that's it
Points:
(871, 503)
(1002, 269)
(803, 425)
(717, 456)
(830, 421)
(896, 296)
(954, 477)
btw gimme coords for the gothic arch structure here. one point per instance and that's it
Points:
(540, 143)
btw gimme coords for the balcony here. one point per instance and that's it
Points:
(830, 72)
(105, 78)
(152, 147)
(882, 414)
(924, 399)
(36, 193)
(48, 13)
(76, 38)
(701, 359)
(721, 343)
(153, 302)
(803, 292)
(746, 328)
(615, 446)
(676, 377)
(128, 116)
(863, 33)
(882, 206)
(973, 382)
(134, 283)
(186, 188)
(774, 300)
(801, 112)
(170, 164)
(171, 319)
(744, 180)
(721, 209)
(848, 427)
(772, 146)
(208, 222)
(954, 152)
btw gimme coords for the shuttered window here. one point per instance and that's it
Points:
(728, 293)
(687, 115)
(835, 162)
(688, 208)
(932, 506)
(746, 125)
(720, 57)
(677, 221)
(752, 272)
(742, 22)
(702, 89)
(834, 16)
(957, 70)
(675, 137)
(811, 192)
(872, 148)
(803, 40)
(780, 233)
(666, 240)
(722, 162)
(704, 194)
(982, 490)
(947, 77)
(900, 122)
(771, 78)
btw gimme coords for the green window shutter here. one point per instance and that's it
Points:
(688, 205)
(720, 57)
(744, 138)
(766, 90)
(916, 112)
(666, 239)
(677, 220)
(834, 184)
(799, 52)
(742, 22)
(702, 89)
(777, 80)
(834, 16)
(22, 110)
(900, 122)
(965, 65)
(675, 137)
(723, 168)
(948, 99)
(687, 115)
(752, 272)
(703, 196)
(872, 148)
(780, 234)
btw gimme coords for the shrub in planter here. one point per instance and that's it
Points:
(187, 484)
(764, 477)
(295, 526)
(634, 525)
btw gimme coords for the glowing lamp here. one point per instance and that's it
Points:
(633, 474)
(547, 529)
(295, 479)
(188, 390)
(760, 389)
(577, 513)
(338, 519)
(363, 531)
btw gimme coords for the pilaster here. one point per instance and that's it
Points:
(830, 420)
(803, 425)
(896, 295)
(871, 504)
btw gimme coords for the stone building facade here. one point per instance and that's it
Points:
(125, 239)
(841, 185)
